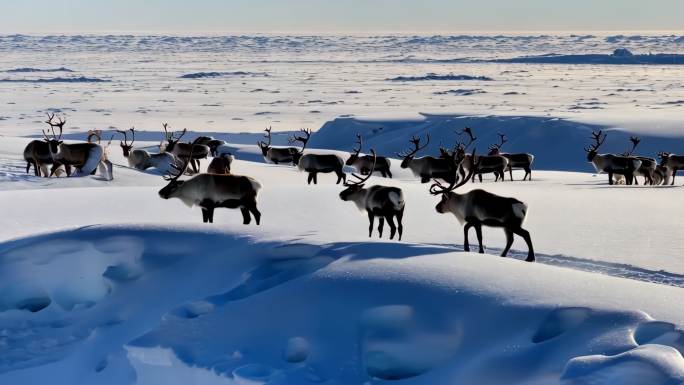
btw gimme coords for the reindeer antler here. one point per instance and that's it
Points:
(60, 124)
(635, 142)
(416, 146)
(359, 143)
(95, 133)
(438, 188)
(304, 139)
(362, 180)
(598, 139)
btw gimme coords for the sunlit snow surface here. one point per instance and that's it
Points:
(245, 83)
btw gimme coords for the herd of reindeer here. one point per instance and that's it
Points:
(218, 187)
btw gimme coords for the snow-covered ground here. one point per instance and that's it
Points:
(103, 282)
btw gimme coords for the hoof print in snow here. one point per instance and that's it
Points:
(297, 350)
(560, 321)
(254, 374)
(33, 305)
(193, 310)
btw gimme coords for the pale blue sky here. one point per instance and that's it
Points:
(187, 16)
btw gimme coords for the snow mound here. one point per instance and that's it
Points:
(80, 79)
(288, 312)
(30, 69)
(203, 75)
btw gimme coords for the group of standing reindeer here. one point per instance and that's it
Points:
(626, 167)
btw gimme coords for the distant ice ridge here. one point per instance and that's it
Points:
(29, 69)
(433, 76)
(202, 75)
(80, 79)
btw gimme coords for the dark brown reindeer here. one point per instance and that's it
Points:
(478, 208)
(384, 202)
(363, 163)
(427, 167)
(183, 151)
(672, 164)
(210, 191)
(276, 155)
(518, 160)
(220, 164)
(495, 164)
(611, 164)
(85, 157)
(648, 165)
(37, 154)
(316, 163)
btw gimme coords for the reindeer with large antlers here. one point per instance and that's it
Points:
(495, 164)
(184, 150)
(427, 167)
(363, 163)
(141, 159)
(276, 155)
(519, 160)
(609, 163)
(381, 201)
(316, 163)
(648, 165)
(478, 208)
(210, 191)
(85, 157)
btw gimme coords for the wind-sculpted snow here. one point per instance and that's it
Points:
(29, 69)
(432, 76)
(657, 59)
(202, 75)
(150, 305)
(80, 79)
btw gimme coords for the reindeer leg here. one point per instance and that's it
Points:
(478, 232)
(245, 215)
(309, 178)
(480, 177)
(315, 178)
(389, 173)
(255, 212)
(393, 227)
(526, 236)
(400, 217)
(528, 171)
(610, 177)
(466, 243)
(371, 219)
(509, 242)
(205, 215)
(674, 172)
(210, 213)
(381, 220)
(510, 170)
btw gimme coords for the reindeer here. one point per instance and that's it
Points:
(610, 163)
(37, 154)
(85, 157)
(210, 191)
(648, 165)
(142, 160)
(220, 164)
(382, 201)
(478, 208)
(672, 163)
(427, 167)
(183, 150)
(363, 163)
(105, 166)
(316, 163)
(519, 160)
(276, 155)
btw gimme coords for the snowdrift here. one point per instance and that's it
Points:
(85, 307)
(557, 144)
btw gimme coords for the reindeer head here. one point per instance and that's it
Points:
(297, 154)
(495, 149)
(446, 192)
(263, 145)
(354, 187)
(664, 158)
(55, 139)
(408, 155)
(174, 185)
(599, 138)
(126, 147)
(172, 138)
(355, 153)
